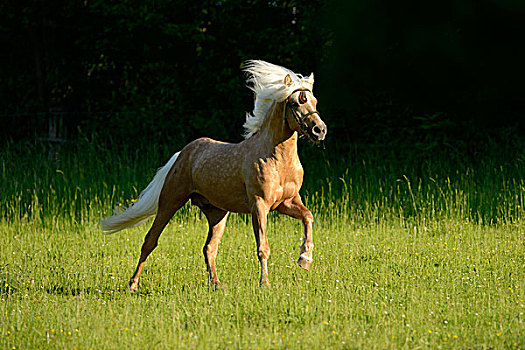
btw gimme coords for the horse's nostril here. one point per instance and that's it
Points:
(316, 130)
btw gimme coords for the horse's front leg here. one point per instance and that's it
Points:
(259, 218)
(296, 209)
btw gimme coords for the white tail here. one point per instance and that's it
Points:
(144, 207)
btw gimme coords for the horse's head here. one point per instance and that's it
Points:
(301, 114)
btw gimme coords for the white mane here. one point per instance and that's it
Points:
(266, 80)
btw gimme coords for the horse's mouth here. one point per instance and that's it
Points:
(312, 138)
(315, 137)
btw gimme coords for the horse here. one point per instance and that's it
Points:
(262, 173)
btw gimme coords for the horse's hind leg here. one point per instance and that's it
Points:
(217, 223)
(168, 205)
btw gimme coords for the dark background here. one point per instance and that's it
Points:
(403, 74)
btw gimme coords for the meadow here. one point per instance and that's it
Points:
(413, 250)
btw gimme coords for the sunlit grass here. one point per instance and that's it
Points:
(399, 261)
(372, 286)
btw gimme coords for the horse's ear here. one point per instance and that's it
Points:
(311, 79)
(287, 80)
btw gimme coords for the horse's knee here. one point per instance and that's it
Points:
(308, 246)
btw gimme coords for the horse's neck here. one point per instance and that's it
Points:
(276, 136)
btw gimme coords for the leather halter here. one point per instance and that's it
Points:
(299, 116)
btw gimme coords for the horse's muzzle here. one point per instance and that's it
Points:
(317, 132)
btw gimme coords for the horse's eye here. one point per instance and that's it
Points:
(302, 97)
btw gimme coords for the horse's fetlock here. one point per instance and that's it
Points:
(309, 246)
(264, 254)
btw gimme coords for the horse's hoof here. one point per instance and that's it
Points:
(264, 284)
(133, 286)
(215, 286)
(305, 262)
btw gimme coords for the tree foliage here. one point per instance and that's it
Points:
(385, 71)
(125, 69)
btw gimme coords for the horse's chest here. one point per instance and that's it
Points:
(290, 189)
(279, 183)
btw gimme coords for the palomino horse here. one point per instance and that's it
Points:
(258, 175)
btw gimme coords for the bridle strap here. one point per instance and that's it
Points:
(299, 116)
(300, 89)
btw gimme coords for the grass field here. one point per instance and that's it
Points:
(410, 253)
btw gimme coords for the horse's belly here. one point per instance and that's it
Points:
(223, 189)
(225, 196)
(215, 168)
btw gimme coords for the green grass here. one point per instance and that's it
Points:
(409, 253)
